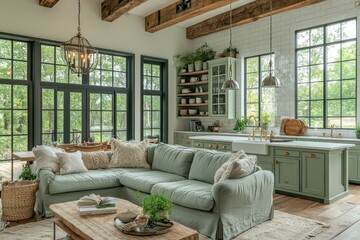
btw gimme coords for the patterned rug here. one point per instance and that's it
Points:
(283, 227)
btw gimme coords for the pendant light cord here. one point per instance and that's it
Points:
(79, 18)
(271, 43)
(230, 43)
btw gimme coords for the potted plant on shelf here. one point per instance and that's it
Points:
(240, 124)
(357, 131)
(230, 52)
(202, 55)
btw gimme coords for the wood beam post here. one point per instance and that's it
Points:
(244, 14)
(167, 16)
(48, 3)
(113, 9)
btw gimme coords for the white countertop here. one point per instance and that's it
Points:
(245, 135)
(294, 144)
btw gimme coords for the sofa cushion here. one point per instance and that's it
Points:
(144, 181)
(206, 163)
(93, 179)
(187, 193)
(173, 159)
(150, 153)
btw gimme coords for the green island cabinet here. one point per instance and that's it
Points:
(221, 102)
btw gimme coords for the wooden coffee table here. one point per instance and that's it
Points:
(102, 226)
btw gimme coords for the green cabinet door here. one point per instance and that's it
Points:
(313, 173)
(353, 168)
(287, 174)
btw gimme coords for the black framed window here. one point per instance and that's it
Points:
(154, 98)
(326, 75)
(15, 87)
(97, 109)
(259, 102)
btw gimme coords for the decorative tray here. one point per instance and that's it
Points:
(149, 230)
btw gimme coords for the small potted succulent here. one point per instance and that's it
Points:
(265, 119)
(240, 124)
(230, 52)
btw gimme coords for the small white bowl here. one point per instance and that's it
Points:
(192, 111)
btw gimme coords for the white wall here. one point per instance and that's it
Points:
(253, 39)
(26, 17)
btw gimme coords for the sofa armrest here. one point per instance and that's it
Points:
(245, 202)
(45, 175)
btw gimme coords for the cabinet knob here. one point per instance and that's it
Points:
(286, 154)
(198, 144)
(210, 145)
(286, 181)
(277, 162)
(312, 155)
(224, 147)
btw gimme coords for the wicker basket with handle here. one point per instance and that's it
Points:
(18, 199)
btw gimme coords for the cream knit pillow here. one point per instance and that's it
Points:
(128, 154)
(95, 160)
(239, 165)
(71, 163)
(45, 158)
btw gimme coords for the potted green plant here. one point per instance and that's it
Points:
(230, 52)
(202, 55)
(157, 207)
(357, 131)
(265, 119)
(188, 59)
(26, 173)
(240, 124)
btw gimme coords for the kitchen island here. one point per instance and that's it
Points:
(318, 170)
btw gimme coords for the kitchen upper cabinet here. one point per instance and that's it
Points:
(221, 102)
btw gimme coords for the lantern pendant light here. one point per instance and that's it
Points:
(79, 55)
(270, 80)
(230, 84)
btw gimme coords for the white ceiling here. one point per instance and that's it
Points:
(151, 6)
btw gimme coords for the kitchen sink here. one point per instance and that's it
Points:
(251, 146)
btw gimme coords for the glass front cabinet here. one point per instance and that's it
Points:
(221, 102)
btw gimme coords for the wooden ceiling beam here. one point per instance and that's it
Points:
(48, 3)
(244, 14)
(113, 9)
(167, 16)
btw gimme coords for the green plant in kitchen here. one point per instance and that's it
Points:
(240, 124)
(357, 131)
(230, 52)
(157, 207)
(26, 173)
(265, 118)
(204, 53)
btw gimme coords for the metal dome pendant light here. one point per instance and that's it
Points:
(270, 80)
(79, 55)
(230, 84)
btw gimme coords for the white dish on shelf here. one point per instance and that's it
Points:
(192, 101)
(194, 79)
(192, 111)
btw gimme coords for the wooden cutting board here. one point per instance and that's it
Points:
(293, 127)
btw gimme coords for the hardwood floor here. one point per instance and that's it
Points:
(343, 215)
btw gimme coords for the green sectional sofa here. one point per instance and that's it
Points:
(186, 176)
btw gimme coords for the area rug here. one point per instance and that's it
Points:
(283, 227)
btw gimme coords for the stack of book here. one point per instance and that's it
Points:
(95, 204)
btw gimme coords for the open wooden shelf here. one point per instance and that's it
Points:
(192, 94)
(191, 116)
(193, 105)
(194, 83)
(193, 73)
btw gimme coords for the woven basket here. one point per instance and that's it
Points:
(18, 199)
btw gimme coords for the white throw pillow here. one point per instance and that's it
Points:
(128, 154)
(45, 158)
(239, 165)
(71, 163)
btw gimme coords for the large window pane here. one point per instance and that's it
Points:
(332, 96)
